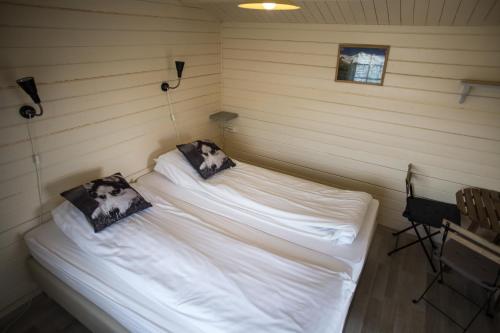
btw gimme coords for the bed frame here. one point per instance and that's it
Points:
(80, 307)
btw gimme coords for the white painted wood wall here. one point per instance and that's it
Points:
(295, 118)
(98, 65)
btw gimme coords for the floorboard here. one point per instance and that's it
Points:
(382, 302)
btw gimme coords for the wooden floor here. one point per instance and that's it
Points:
(382, 302)
(43, 316)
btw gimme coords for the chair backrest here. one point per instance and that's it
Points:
(462, 243)
(409, 186)
(470, 240)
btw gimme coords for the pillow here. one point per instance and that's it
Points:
(72, 222)
(177, 169)
(106, 200)
(205, 157)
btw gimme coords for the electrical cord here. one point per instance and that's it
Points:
(172, 116)
(223, 127)
(36, 161)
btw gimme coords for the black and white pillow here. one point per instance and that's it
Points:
(206, 157)
(106, 200)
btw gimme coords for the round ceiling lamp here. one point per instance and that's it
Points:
(268, 5)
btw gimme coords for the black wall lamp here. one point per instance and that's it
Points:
(29, 86)
(179, 65)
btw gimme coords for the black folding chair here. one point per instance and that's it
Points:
(426, 213)
(475, 259)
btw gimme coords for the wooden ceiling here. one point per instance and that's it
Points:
(382, 12)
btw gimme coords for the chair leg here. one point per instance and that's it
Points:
(397, 249)
(494, 299)
(428, 232)
(420, 240)
(397, 233)
(424, 248)
(415, 301)
(396, 243)
(441, 271)
(485, 304)
(438, 276)
(429, 236)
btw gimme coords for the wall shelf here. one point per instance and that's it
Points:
(223, 116)
(468, 84)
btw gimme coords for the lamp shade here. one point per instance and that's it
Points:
(29, 86)
(179, 65)
(268, 5)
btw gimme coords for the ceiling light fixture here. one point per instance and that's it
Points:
(267, 5)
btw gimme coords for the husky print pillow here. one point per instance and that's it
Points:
(106, 200)
(206, 157)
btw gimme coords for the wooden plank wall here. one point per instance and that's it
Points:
(295, 118)
(98, 65)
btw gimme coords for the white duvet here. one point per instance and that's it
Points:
(205, 280)
(299, 205)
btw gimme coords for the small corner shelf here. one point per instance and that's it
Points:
(468, 84)
(223, 116)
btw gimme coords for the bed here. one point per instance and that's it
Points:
(252, 279)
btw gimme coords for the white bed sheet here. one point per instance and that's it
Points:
(348, 257)
(89, 277)
(143, 310)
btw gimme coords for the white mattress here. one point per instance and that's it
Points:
(139, 312)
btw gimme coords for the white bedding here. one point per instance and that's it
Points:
(92, 279)
(301, 206)
(185, 274)
(348, 258)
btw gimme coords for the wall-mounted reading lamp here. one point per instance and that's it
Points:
(29, 86)
(165, 86)
(179, 65)
(27, 111)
